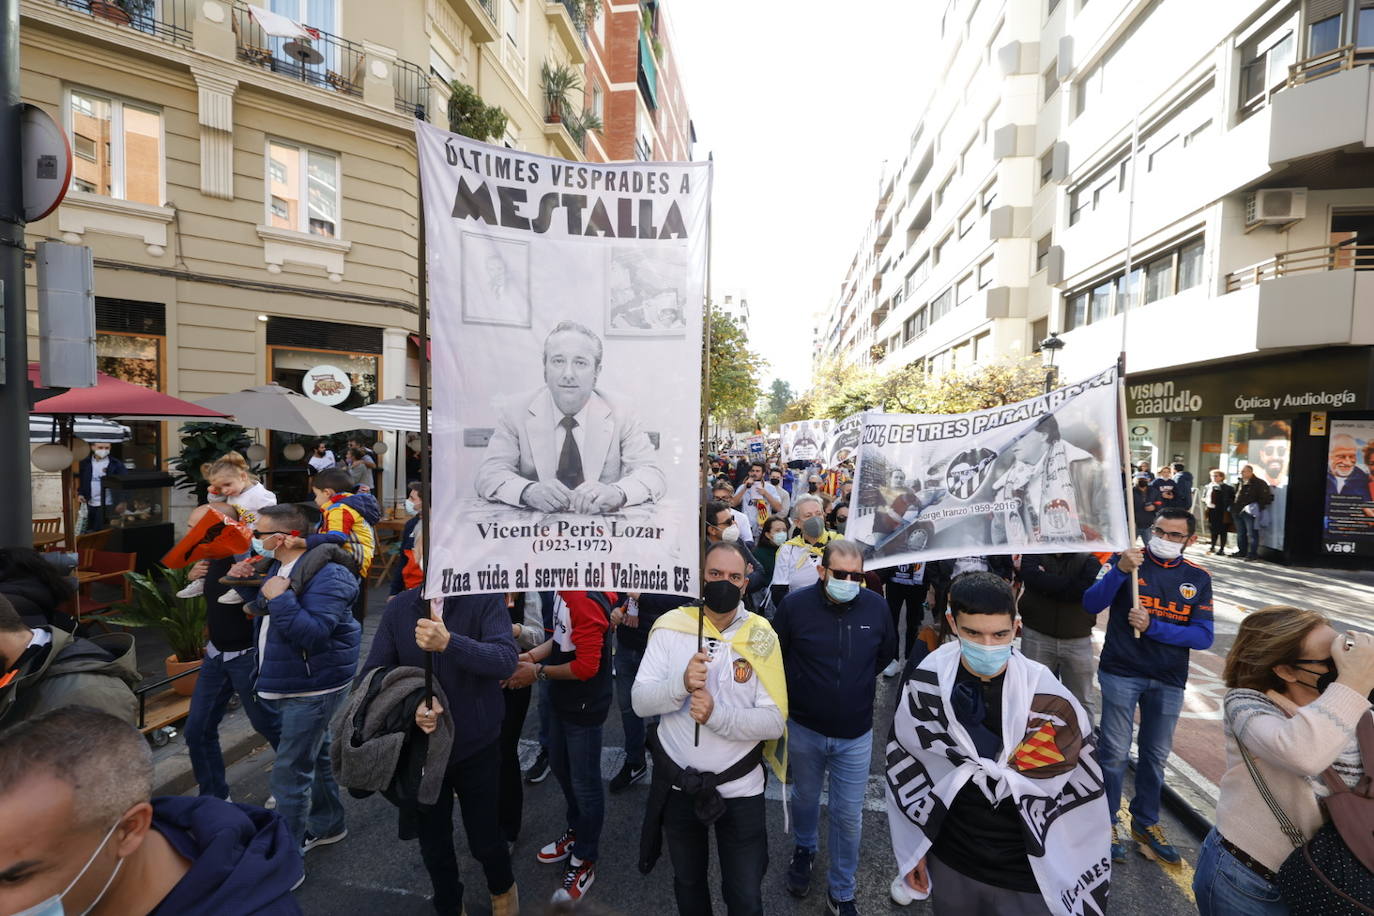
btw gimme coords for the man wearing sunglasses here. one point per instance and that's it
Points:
(1151, 671)
(836, 637)
(308, 645)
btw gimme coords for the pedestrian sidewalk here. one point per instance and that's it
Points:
(1238, 587)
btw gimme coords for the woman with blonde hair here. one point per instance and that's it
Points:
(1297, 689)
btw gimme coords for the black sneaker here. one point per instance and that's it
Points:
(840, 907)
(629, 774)
(799, 872)
(312, 841)
(539, 770)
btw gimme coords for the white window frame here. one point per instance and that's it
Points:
(986, 274)
(304, 179)
(117, 159)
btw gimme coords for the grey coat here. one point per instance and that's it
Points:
(371, 764)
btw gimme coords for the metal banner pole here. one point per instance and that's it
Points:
(423, 256)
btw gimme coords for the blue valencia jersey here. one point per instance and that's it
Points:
(1178, 597)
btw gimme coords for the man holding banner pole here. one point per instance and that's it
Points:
(734, 690)
(1144, 663)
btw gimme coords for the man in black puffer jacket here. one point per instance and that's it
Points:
(1055, 631)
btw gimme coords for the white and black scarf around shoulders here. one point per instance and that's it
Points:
(1047, 765)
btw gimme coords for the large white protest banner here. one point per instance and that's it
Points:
(1037, 476)
(567, 328)
(804, 440)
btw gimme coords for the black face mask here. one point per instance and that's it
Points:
(812, 488)
(1326, 678)
(721, 596)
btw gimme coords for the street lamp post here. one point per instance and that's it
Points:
(1048, 348)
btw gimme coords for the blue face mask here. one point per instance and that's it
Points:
(984, 661)
(261, 550)
(53, 906)
(841, 590)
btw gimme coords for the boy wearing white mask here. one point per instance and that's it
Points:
(836, 637)
(1151, 671)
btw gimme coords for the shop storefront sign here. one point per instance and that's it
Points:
(1334, 379)
(327, 384)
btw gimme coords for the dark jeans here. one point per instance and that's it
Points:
(302, 776)
(475, 781)
(627, 659)
(575, 757)
(741, 842)
(545, 714)
(96, 517)
(913, 598)
(217, 682)
(512, 793)
(1247, 534)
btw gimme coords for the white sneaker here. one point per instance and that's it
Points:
(271, 804)
(893, 668)
(902, 893)
(231, 597)
(194, 589)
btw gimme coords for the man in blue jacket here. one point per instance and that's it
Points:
(308, 645)
(1174, 616)
(84, 836)
(836, 637)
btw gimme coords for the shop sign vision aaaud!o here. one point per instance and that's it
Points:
(1332, 379)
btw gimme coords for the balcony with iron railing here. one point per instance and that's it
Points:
(169, 20)
(1322, 295)
(325, 61)
(1324, 107)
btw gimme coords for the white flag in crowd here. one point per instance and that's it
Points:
(1039, 476)
(567, 327)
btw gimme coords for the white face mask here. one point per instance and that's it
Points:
(53, 906)
(100, 452)
(730, 535)
(1165, 550)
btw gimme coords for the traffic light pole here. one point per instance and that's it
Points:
(16, 522)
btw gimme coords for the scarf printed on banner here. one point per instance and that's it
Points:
(843, 442)
(805, 440)
(1038, 476)
(567, 318)
(1048, 767)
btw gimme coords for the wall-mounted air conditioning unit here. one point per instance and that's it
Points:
(1275, 205)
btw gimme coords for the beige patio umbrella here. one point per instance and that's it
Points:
(285, 411)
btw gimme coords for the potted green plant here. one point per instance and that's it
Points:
(203, 442)
(155, 605)
(470, 116)
(558, 81)
(578, 125)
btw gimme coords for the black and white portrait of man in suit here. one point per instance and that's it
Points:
(568, 446)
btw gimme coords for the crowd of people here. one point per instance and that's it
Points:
(1004, 770)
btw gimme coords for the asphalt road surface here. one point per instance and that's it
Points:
(373, 872)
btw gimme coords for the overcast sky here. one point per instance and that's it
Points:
(800, 103)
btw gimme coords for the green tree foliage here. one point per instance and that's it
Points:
(842, 389)
(733, 388)
(470, 116)
(774, 402)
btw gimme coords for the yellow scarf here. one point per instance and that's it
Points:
(756, 642)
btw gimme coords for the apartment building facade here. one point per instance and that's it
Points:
(1202, 173)
(250, 197)
(633, 83)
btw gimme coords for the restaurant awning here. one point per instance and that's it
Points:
(114, 398)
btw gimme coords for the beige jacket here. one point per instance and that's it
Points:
(1288, 749)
